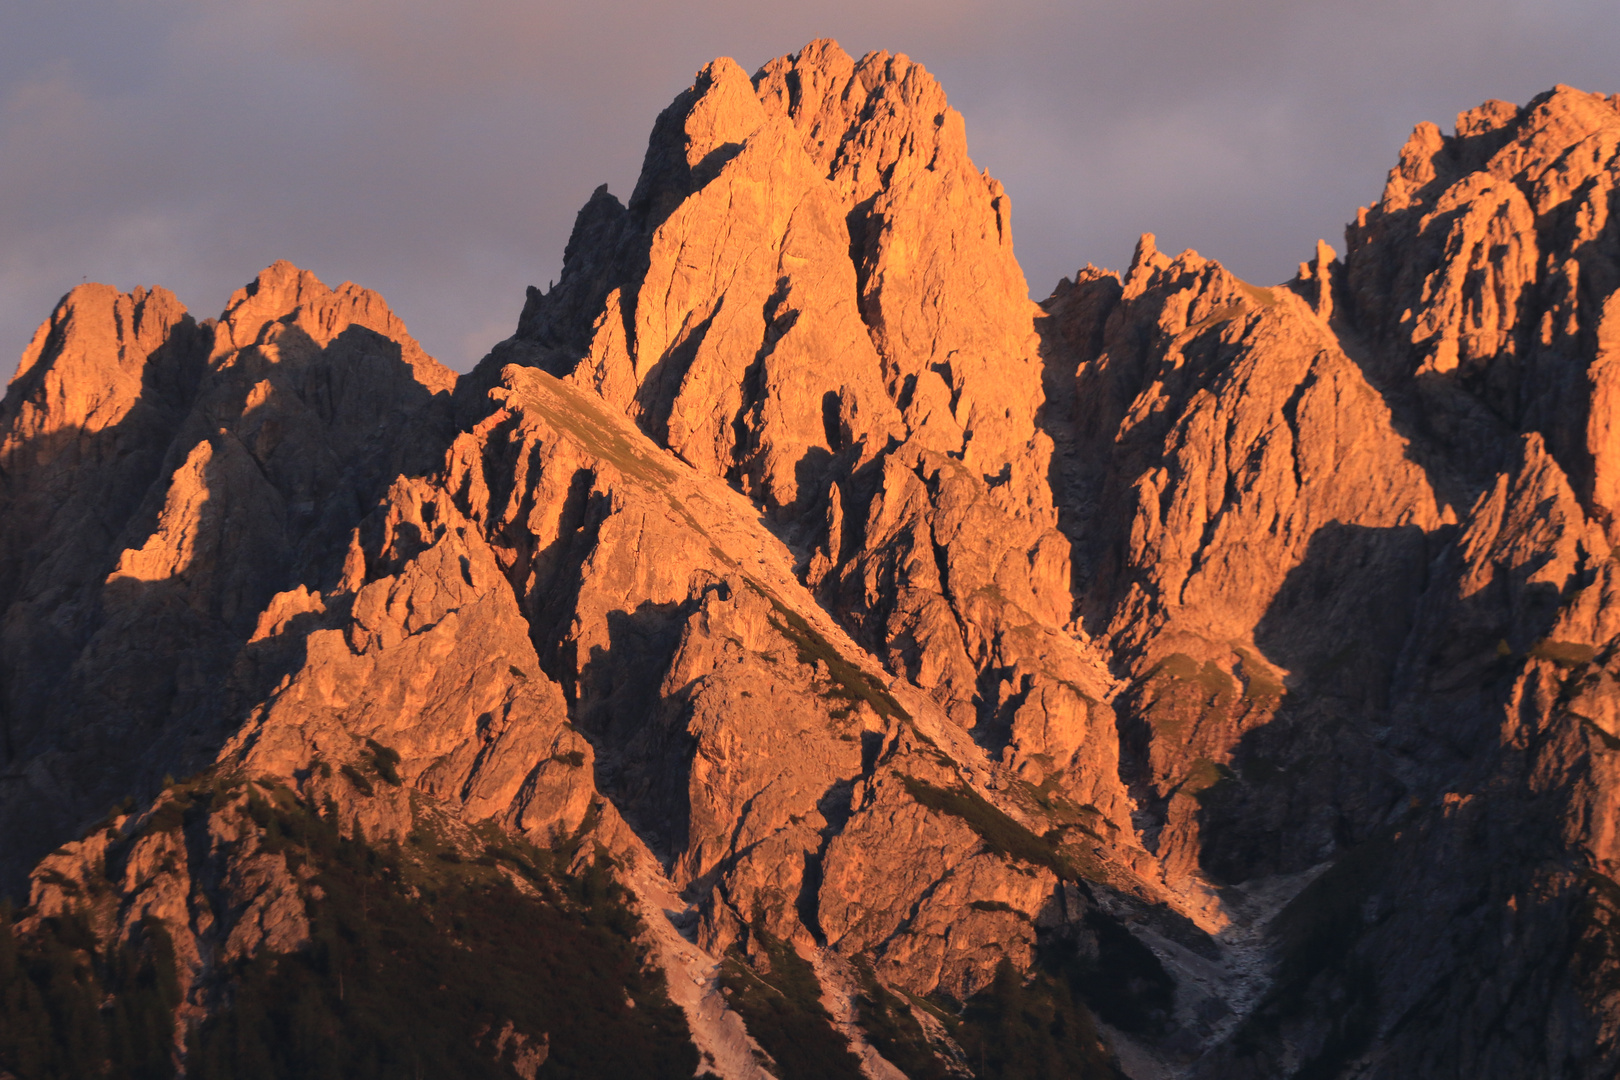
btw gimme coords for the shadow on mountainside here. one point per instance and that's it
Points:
(135, 559)
(68, 495)
(1396, 687)
(644, 753)
(1455, 439)
(1456, 920)
(1076, 481)
(1314, 778)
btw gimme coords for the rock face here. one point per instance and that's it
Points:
(1346, 537)
(163, 481)
(875, 672)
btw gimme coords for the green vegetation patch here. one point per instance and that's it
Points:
(893, 1030)
(585, 420)
(187, 801)
(850, 683)
(385, 760)
(1181, 692)
(1260, 685)
(1563, 653)
(416, 964)
(1001, 834)
(414, 967)
(361, 782)
(1260, 294)
(1013, 1030)
(1063, 811)
(784, 1014)
(1125, 983)
(1216, 685)
(71, 1009)
(1203, 775)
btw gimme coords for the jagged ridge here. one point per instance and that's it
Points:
(1234, 662)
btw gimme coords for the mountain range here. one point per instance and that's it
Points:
(795, 652)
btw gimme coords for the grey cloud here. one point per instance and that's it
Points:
(437, 153)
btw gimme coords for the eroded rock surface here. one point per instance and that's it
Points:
(1222, 676)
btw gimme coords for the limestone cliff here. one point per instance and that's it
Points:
(794, 652)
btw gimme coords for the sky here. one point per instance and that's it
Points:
(438, 152)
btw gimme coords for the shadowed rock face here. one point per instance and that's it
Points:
(163, 481)
(1348, 543)
(1222, 676)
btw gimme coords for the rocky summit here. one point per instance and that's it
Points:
(795, 653)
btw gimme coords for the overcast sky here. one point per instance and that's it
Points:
(437, 152)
